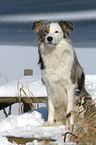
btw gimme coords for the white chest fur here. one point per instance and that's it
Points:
(58, 62)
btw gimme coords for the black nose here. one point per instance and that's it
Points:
(49, 38)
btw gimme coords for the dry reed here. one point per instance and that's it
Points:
(29, 95)
(86, 130)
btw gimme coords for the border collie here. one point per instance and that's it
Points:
(61, 72)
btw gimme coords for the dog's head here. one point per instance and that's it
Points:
(51, 33)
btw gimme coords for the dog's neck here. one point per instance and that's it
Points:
(51, 49)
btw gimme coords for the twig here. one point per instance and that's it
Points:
(70, 134)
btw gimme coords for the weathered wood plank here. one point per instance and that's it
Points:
(7, 101)
(23, 99)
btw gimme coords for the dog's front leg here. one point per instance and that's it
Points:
(70, 106)
(50, 113)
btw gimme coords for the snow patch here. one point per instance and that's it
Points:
(14, 121)
(32, 84)
(90, 81)
(4, 141)
(30, 125)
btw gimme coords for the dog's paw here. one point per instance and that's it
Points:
(47, 123)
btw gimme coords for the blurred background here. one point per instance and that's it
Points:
(18, 45)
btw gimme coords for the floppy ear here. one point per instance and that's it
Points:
(37, 26)
(67, 27)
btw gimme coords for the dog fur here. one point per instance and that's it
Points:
(61, 72)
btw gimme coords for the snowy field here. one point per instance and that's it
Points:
(30, 125)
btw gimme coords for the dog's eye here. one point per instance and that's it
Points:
(45, 32)
(56, 31)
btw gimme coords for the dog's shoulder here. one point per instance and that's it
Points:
(78, 77)
(76, 71)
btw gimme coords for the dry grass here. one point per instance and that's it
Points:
(29, 95)
(86, 131)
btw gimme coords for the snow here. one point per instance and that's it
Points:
(4, 141)
(32, 83)
(90, 82)
(34, 119)
(30, 124)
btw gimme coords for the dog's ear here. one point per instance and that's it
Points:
(37, 26)
(67, 27)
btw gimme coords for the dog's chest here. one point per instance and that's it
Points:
(57, 66)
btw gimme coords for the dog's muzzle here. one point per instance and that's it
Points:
(49, 39)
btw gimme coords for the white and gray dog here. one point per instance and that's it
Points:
(61, 72)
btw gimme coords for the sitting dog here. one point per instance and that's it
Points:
(61, 72)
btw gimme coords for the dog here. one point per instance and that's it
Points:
(61, 72)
